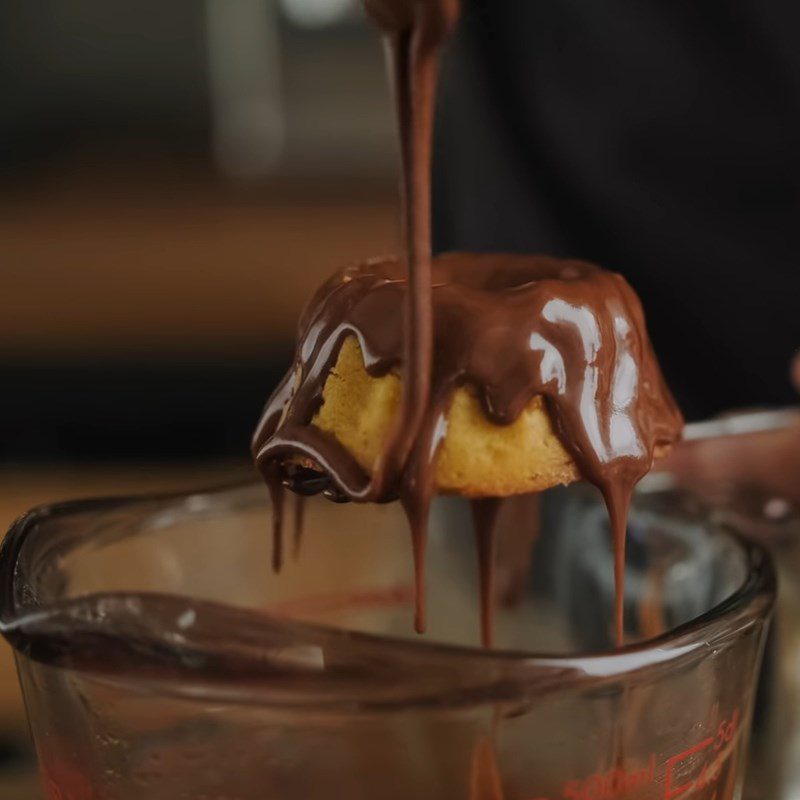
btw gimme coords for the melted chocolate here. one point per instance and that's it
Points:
(299, 519)
(485, 782)
(512, 327)
(484, 519)
(276, 492)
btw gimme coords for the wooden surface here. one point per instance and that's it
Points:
(92, 268)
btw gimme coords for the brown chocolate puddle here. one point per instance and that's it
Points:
(510, 326)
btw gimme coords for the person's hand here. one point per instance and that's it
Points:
(767, 462)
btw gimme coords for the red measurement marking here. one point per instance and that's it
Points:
(708, 772)
(669, 791)
(64, 781)
(606, 785)
(708, 759)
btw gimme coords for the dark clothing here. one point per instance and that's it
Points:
(659, 138)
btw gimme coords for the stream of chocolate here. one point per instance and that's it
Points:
(511, 327)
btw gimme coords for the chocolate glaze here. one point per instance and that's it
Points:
(510, 326)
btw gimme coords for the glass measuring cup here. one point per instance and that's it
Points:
(746, 467)
(160, 658)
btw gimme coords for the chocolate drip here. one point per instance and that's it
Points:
(417, 507)
(276, 492)
(413, 33)
(617, 495)
(484, 519)
(299, 518)
(511, 327)
(485, 782)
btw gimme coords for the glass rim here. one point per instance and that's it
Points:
(290, 664)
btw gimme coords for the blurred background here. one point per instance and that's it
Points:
(174, 180)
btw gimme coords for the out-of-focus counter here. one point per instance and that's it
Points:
(93, 266)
